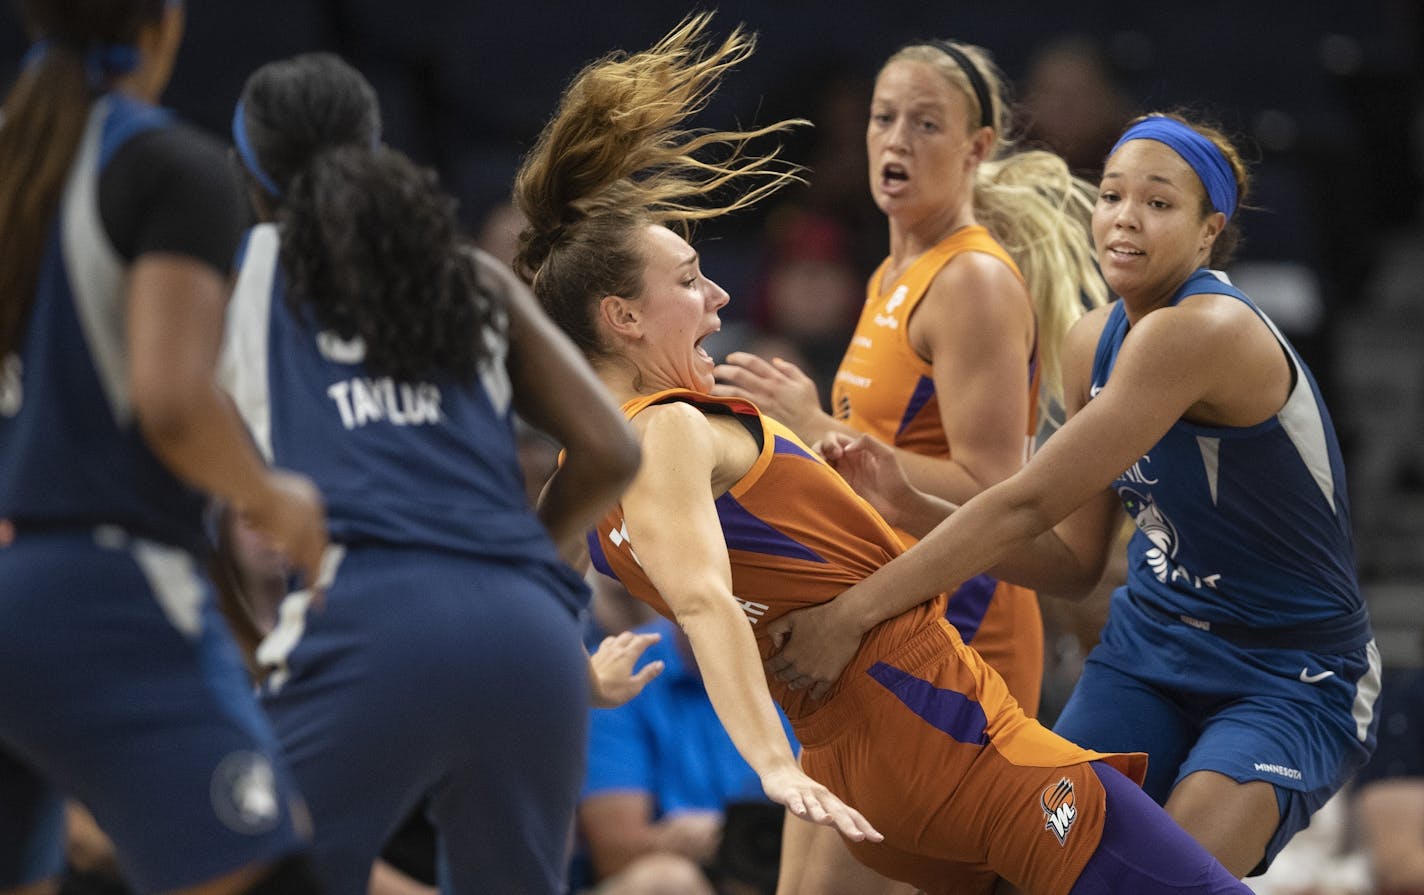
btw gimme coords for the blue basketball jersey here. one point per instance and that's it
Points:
(71, 453)
(1242, 526)
(416, 463)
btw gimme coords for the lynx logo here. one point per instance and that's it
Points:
(1164, 538)
(12, 394)
(1155, 525)
(1060, 807)
(244, 793)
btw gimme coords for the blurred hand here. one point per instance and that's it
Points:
(290, 515)
(813, 802)
(812, 647)
(777, 387)
(692, 834)
(610, 668)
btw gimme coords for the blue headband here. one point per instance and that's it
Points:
(976, 79)
(249, 158)
(102, 62)
(1204, 157)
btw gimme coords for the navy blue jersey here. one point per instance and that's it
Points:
(1243, 526)
(410, 463)
(71, 453)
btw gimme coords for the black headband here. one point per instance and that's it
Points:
(976, 80)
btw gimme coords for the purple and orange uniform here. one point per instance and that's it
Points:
(919, 732)
(886, 389)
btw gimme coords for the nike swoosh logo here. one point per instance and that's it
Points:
(1307, 678)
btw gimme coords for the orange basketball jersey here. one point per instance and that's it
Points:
(796, 533)
(883, 386)
(919, 729)
(886, 389)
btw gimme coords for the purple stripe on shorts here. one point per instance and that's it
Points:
(946, 710)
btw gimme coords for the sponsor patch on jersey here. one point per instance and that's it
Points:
(244, 793)
(1060, 809)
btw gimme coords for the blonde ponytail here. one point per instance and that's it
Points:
(1040, 213)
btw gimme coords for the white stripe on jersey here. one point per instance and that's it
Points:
(1300, 419)
(96, 271)
(1367, 690)
(1211, 458)
(173, 578)
(243, 367)
(277, 646)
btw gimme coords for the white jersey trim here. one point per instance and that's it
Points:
(242, 369)
(1211, 458)
(276, 648)
(1367, 690)
(1300, 417)
(96, 271)
(173, 578)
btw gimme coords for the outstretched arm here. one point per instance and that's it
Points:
(1171, 362)
(673, 527)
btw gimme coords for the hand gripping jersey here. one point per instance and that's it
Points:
(886, 389)
(919, 732)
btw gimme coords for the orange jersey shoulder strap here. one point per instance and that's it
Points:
(883, 386)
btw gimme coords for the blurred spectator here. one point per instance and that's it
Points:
(498, 232)
(1321, 859)
(1072, 103)
(809, 292)
(613, 610)
(1389, 803)
(662, 774)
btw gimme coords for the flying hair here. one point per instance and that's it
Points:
(618, 155)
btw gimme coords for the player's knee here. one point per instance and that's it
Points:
(289, 876)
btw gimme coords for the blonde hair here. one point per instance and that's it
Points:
(1037, 210)
(615, 158)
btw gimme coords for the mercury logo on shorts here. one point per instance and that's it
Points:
(244, 793)
(1060, 808)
